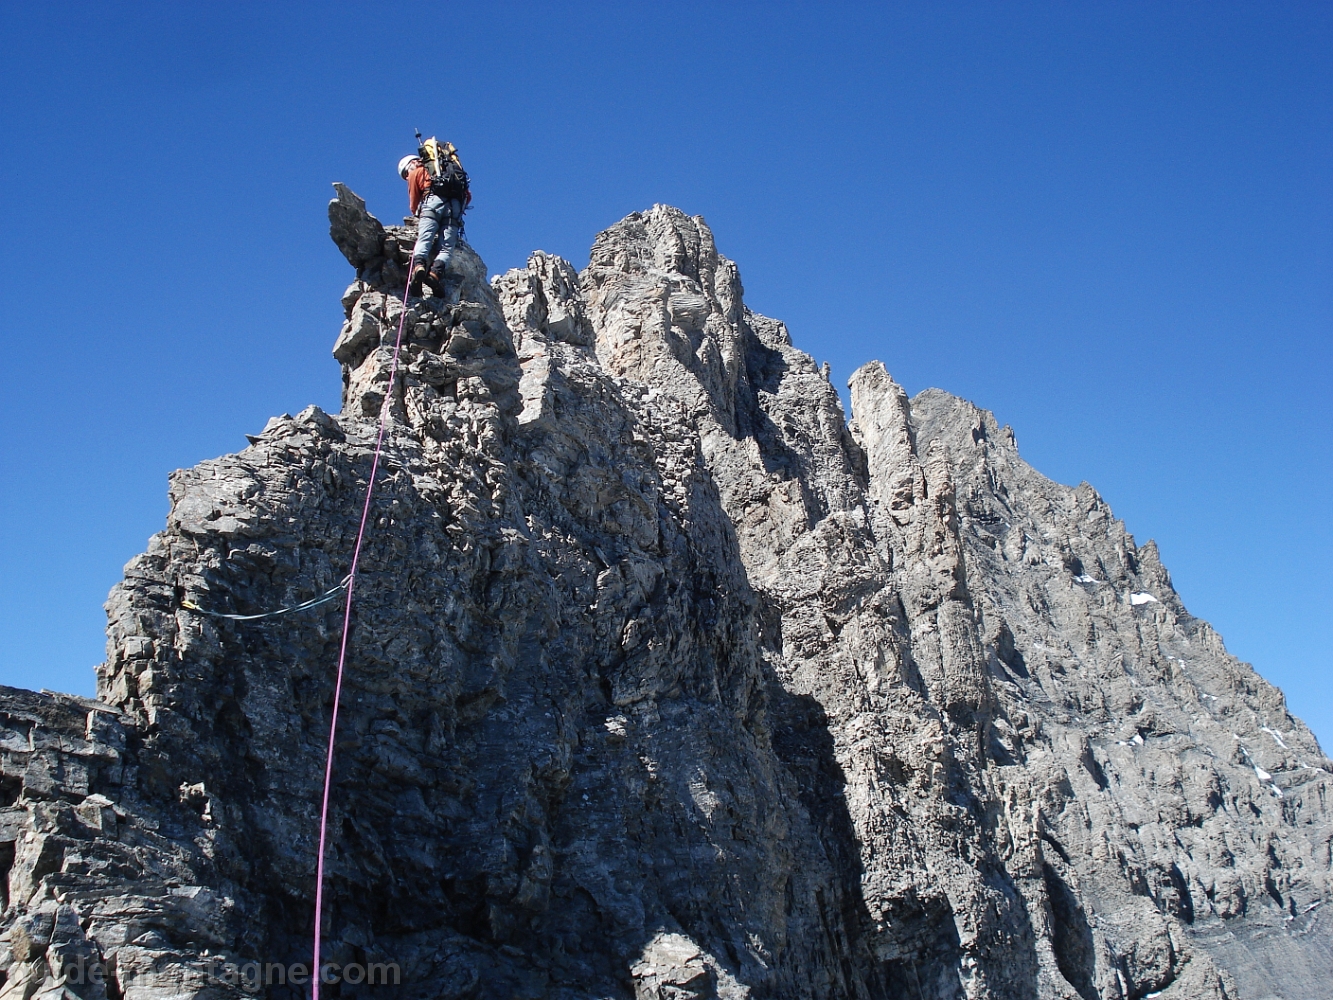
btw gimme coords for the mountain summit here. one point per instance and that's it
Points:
(666, 681)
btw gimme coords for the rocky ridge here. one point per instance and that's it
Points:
(667, 681)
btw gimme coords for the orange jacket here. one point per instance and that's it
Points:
(418, 183)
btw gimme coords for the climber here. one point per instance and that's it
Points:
(437, 194)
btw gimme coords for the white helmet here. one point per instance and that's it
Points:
(404, 163)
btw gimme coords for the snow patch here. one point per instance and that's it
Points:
(1142, 597)
(1263, 775)
(1083, 578)
(1276, 736)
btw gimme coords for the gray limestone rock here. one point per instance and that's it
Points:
(666, 681)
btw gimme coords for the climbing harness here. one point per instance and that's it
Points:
(314, 602)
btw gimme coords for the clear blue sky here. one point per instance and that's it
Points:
(1109, 223)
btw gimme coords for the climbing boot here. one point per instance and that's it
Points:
(419, 274)
(435, 282)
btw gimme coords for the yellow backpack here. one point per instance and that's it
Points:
(448, 179)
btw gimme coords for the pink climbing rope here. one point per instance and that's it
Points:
(316, 978)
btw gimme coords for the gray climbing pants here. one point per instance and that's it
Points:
(439, 224)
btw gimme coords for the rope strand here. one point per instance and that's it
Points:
(342, 651)
(314, 602)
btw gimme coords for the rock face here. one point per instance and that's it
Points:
(666, 682)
